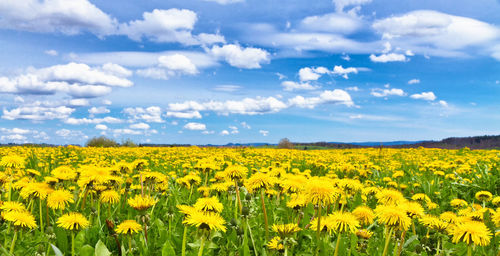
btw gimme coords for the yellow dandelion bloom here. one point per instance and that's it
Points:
(393, 216)
(140, 202)
(285, 230)
(472, 232)
(342, 222)
(321, 191)
(186, 209)
(259, 181)
(208, 204)
(21, 219)
(364, 214)
(109, 197)
(364, 234)
(128, 227)
(59, 199)
(413, 209)
(72, 221)
(206, 220)
(276, 244)
(458, 203)
(485, 196)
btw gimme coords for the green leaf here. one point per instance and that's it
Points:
(86, 250)
(167, 249)
(80, 239)
(61, 239)
(56, 250)
(101, 249)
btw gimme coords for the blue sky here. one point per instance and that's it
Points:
(220, 71)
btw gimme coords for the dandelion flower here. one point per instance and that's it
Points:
(276, 244)
(72, 221)
(472, 232)
(285, 230)
(485, 196)
(140, 202)
(209, 204)
(364, 214)
(128, 227)
(59, 199)
(321, 191)
(21, 219)
(342, 222)
(390, 197)
(109, 197)
(393, 216)
(202, 220)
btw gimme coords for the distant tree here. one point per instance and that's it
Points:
(101, 141)
(285, 143)
(128, 143)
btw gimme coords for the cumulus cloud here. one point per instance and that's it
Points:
(75, 79)
(195, 126)
(340, 5)
(331, 23)
(151, 114)
(66, 133)
(67, 17)
(424, 96)
(388, 57)
(98, 110)
(224, 132)
(377, 92)
(37, 113)
(78, 102)
(227, 88)
(140, 126)
(80, 121)
(168, 26)
(51, 52)
(247, 106)
(245, 125)
(294, 86)
(436, 32)
(102, 127)
(264, 132)
(414, 81)
(170, 66)
(336, 96)
(14, 138)
(186, 114)
(237, 56)
(314, 73)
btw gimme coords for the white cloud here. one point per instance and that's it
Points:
(443, 103)
(227, 88)
(151, 114)
(332, 23)
(78, 102)
(65, 133)
(341, 4)
(236, 56)
(37, 113)
(377, 92)
(186, 115)
(76, 79)
(195, 126)
(234, 129)
(388, 57)
(101, 127)
(336, 96)
(178, 62)
(15, 131)
(312, 74)
(14, 138)
(116, 70)
(424, 96)
(80, 121)
(414, 81)
(294, 86)
(67, 17)
(224, 2)
(168, 26)
(140, 126)
(246, 106)
(224, 132)
(245, 125)
(280, 76)
(352, 88)
(425, 29)
(51, 52)
(208, 132)
(106, 102)
(98, 110)
(264, 132)
(126, 131)
(154, 73)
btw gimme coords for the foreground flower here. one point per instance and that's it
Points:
(140, 202)
(484, 196)
(22, 219)
(472, 232)
(59, 199)
(109, 197)
(364, 214)
(210, 221)
(72, 221)
(285, 230)
(276, 244)
(209, 204)
(320, 191)
(128, 227)
(393, 216)
(342, 222)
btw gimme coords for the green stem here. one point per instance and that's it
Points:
(337, 245)
(318, 229)
(266, 225)
(437, 248)
(184, 238)
(72, 243)
(400, 249)
(251, 239)
(387, 239)
(41, 214)
(469, 250)
(13, 243)
(202, 244)
(130, 244)
(238, 195)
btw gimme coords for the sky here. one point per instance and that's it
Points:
(246, 71)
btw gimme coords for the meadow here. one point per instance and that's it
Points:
(246, 201)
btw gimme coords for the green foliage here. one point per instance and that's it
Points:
(101, 141)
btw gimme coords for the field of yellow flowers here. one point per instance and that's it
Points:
(245, 201)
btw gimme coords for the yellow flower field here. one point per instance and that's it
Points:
(247, 201)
